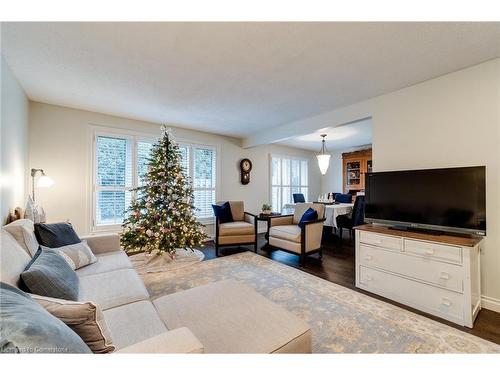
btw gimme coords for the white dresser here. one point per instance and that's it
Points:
(436, 274)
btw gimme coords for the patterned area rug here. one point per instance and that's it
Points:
(342, 320)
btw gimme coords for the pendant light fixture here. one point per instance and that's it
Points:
(323, 157)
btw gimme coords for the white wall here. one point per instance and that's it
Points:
(14, 143)
(450, 121)
(332, 182)
(60, 143)
(453, 120)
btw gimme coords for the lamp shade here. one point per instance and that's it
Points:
(45, 181)
(323, 162)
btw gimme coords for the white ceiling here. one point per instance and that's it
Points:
(343, 137)
(234, 78)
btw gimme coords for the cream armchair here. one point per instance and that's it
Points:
(285, 233)
(242, 231)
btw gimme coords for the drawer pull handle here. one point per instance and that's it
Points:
(444, 276)
(429, 252)
(368, 278)
(445, 302)
(368, 257)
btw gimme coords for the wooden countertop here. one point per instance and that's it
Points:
(450, 239)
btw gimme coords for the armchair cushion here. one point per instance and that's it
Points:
(308, 215)
(236, 228)
(286, 232)
(223, 212)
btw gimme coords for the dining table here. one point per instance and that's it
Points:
(332, 210)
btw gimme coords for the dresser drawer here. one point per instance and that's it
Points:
(434, 300)
(446, 275)
(387, 242)
(433, 250)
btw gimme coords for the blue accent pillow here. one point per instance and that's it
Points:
(308, 215)
(223, 213)
(56, 235)
(22, 285)
(50, 275)
(28, 328)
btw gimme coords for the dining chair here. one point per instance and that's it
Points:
(343, 198)
(354, 218)
(298, 198)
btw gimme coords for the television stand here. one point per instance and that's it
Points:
(436, 274)
(406, 228)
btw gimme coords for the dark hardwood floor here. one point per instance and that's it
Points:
(337, 266)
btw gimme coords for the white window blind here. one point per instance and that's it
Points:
(200, 164)
(288, 176)
(120, 162)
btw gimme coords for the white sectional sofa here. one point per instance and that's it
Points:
(222, 317)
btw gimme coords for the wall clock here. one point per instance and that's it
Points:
(246, 167)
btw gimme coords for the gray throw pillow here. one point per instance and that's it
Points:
(28, 328)
(50, 275)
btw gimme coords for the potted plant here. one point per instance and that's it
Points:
(266, 209)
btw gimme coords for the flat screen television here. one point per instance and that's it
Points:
(449, 199)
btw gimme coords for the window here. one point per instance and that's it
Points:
(120, 163)
(199, 163)
(288, 176)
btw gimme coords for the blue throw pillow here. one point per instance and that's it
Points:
(50, 275)
(310, 214)
(56, 235)
(28, 328)
(223, 213)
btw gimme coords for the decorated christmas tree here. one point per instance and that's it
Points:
(161, 218)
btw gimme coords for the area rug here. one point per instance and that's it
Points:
(150, 263)
(342, 320)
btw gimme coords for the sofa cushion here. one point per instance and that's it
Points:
(23, 231)
(77, 255)
(13, 259)
(286, 232)
(84, 318)
(56, 234)
(180, 340)
(106, 262)
(50, 275)
(28, 328)
(236, 228)
(230, 317)
(112, 289)
(132, 323)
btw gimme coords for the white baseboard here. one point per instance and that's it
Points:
(490, 303)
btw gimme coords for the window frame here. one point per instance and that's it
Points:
(134, 138)
(281, 185)
(99, 130)
(190, 145)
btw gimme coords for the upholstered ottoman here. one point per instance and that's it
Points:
(230, 317)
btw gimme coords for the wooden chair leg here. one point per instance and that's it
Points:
(302, 259)
(216, 250)
(321, 253)
(340, 232)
